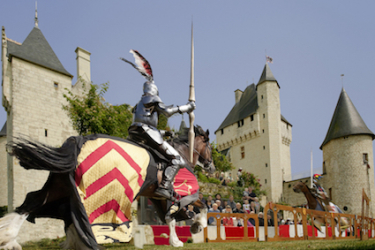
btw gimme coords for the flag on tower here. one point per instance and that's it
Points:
(269, 59)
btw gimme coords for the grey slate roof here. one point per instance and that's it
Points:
(267, 76)
(182, 125)
(247, 105)
(346, 121)
(37, 50)
(3, 131)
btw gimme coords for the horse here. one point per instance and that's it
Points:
(93, 181)
(316, 203)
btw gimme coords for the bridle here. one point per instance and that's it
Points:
(205, 162)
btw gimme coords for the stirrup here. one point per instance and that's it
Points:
(165, 193)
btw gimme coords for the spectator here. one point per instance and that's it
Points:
(227, 221)
(209, 198)
(218, 202)
(218, 197)
(222, 179)
(261, 219)
(191, 214)
(252, 207)
(231, 202)
(238, 209)
(252, 196)
(251, 220)
(209, 204)
(239, 178)
(201, 198)
(217, 175)
(245, 194)
(214, 209)
(227, 209)
(230, 178)
(246, 206)
(269, 220)
(225, 203)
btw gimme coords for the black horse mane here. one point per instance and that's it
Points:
(184, 136)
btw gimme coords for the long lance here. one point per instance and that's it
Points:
(192, 99)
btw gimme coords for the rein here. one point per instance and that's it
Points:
(200, 158)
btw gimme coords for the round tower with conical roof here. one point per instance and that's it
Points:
(348, 164)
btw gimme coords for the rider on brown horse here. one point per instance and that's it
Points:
(145, 120)
(319, 191)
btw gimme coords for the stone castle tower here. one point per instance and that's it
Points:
(33, 83)
(348, 162)
(256, 137)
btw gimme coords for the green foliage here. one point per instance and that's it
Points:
(91, 114)
(250, 180)
(202, 177)
(213, 180)
(221, 162)
(163, 123)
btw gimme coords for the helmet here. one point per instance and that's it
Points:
(317, 177)
(150, 88)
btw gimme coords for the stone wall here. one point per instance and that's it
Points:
(3, 173)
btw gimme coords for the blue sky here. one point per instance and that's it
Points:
(311, 42)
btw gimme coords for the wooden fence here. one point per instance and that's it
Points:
(302, 218)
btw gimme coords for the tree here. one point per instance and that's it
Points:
(91, 114)
(221, 162)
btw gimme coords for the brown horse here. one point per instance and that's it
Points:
(316, 203)
(93, 181)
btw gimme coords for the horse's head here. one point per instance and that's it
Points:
(299, 187)
(203, 149)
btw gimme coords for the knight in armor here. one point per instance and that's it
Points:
(145, 120)
(320, 192)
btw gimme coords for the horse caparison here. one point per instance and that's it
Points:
(79, 173)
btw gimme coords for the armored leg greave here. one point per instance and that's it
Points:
(165, 188)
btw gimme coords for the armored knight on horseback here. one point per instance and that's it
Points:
(319, 190)
(145, 120)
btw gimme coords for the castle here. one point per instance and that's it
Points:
(33, 84)
(256, 137)
(348, 162)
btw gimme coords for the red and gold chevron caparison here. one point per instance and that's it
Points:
(109, 175)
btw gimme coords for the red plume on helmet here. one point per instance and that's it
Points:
(142, 65)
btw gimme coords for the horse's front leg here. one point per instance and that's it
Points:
(200, 221)
(10, 225)
(173, 239)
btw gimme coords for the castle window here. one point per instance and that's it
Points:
(266, 164)
(242, 152)
(264, 116)
(365, 158)
(262, 97)
(222, 131)
(330, 193)
(45, 132)
(263, 131)
(324, 168)
(252, 118)
(240, 123)
(265, 181)
(264, 147)
(56, 85)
